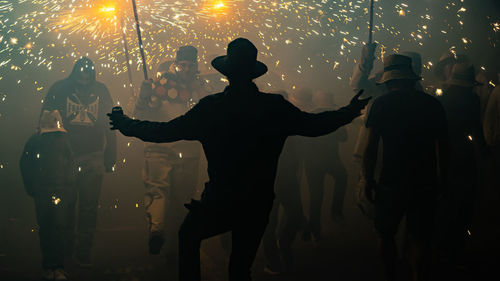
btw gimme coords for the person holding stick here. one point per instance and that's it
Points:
(170, 170)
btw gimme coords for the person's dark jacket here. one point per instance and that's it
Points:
(47, 164)
(242, 132)
(84, 114)
(462, 107)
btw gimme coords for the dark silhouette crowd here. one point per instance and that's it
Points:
(418, 153)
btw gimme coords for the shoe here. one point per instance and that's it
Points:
(83, 260)
(48, 274)
(60, 275)
(156, 241)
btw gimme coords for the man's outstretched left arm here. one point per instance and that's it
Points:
(318, 124)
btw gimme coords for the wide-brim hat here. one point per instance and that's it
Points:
(51, 121)
(416, 61)
(241, 60)
(398, 67)
(448, 58)
(463, 75)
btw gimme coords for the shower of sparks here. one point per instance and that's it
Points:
(42, 32)
(48, 35)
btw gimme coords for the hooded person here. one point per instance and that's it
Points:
(47, 169)
(242, 131)
(171, 170)
(412, 128)
(82, 102)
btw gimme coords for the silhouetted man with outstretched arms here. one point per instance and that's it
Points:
(242, 132)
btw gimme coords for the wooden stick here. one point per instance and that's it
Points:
(141, 47)
(370, 34)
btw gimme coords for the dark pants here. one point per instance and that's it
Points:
(247, 225)
(417, 203)
(84, 218)
(316, 172)
(288, 196)
(457, 211)
(51, 211)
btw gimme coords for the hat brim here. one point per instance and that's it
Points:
(52, 130)
(463, 83)
(398, 74)
(439, 69)
(222, 65)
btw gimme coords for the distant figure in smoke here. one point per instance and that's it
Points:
(462, 109)
(488, 81)
(170, 172)
(361, 79)
(242, 132)
(443, 69)
(48, 171)
(321, 158)
(280, 234)
(83, 102)
(491, 127)
(412, 126)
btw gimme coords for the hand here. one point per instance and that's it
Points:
(358, 104)
(119, 121)
(146, 88)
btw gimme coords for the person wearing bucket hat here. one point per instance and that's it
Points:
(398, 67)
(412, 127)
(361, 79)
(48, 170)
(445, 65)
(463, 75)
(462, 107)
(242, 131)
(170, 172)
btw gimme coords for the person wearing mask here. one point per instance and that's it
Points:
(170, 171)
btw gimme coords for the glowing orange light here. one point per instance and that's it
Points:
(107, 9)
(219, 5)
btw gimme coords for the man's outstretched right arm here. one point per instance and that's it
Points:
(185, 127)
